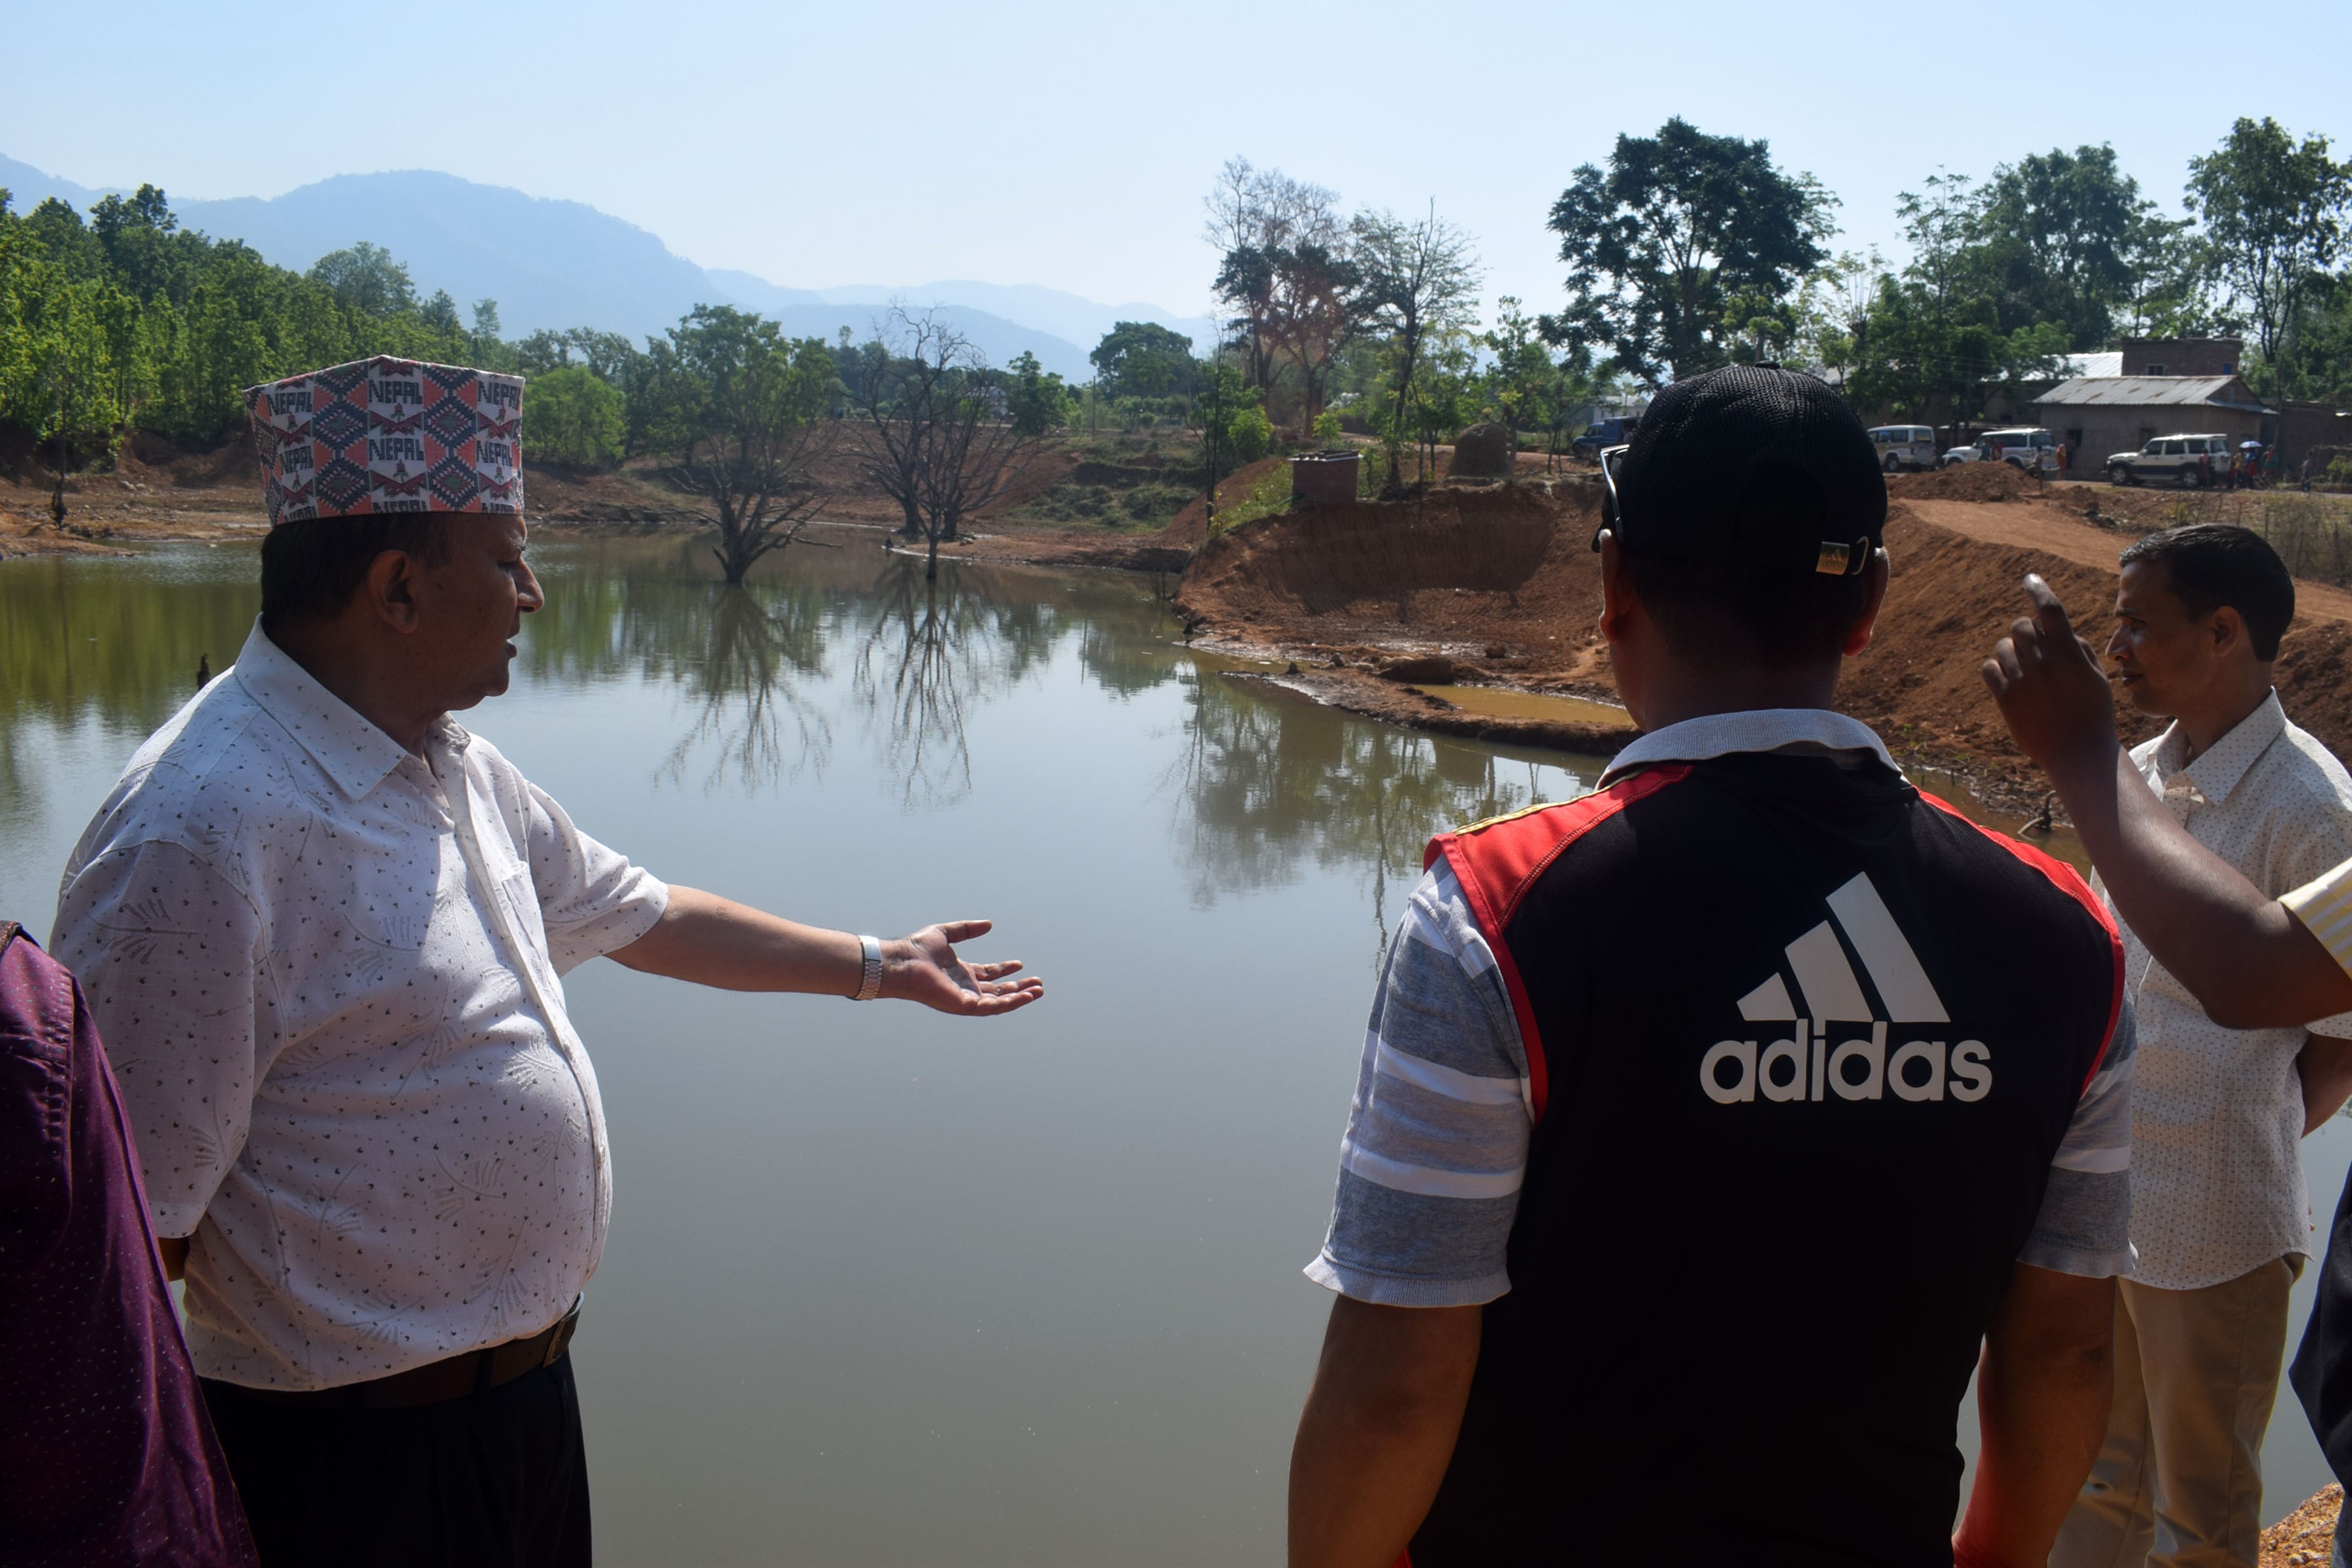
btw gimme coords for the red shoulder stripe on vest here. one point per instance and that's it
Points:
(1497, 861)
(2070, 882)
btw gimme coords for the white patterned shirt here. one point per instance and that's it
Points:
(2218, 1114)
(326, 972)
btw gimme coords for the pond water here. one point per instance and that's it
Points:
(885, 1288)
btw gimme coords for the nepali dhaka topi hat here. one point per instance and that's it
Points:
(388, 434)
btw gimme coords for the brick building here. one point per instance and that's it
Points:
(2182, 356)
(2303, 425)
(2097, 415)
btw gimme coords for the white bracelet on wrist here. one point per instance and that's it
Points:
(869, 983)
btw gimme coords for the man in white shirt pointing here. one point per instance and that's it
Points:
(323, 929)
(2219, 1211)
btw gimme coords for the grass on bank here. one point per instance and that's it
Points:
(1263, 496)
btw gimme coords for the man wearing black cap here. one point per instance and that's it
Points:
(1708, 1126)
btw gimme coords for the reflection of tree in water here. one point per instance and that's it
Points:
(1271, 784)
(750, 658)
(87, 640)
(764, 644)
(936, 648)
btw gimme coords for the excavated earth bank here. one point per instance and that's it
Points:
(1501, 583)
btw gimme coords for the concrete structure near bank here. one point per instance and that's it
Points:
(1324, 478)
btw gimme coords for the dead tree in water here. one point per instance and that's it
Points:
(894, 390)
(977, 455)
(933, 429)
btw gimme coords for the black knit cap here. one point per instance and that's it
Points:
(1756, 467)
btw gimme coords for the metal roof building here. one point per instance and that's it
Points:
(2108, 361)
(2152, 392)
(2098, 416)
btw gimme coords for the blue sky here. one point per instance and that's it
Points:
(1070, 145)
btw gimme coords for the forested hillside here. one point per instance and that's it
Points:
(129, 319)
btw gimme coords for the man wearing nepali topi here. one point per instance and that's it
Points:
(323, 929)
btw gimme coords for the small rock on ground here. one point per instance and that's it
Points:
(2305, 1538)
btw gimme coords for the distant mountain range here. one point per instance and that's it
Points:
(560, 264)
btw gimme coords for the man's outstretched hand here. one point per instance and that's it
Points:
(925, 968)
(706, 939)
(2050, 687)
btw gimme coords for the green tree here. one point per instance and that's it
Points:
(2064, 238)
(136, 236)
(1521, 382)
(1144, 358)
(2273, 213)
(1678, 224)
(1421, 280)
(366, 280)
(1035, 399)
(575, 419)
(1261, 220)
(743, 408)
(1446, 396)
(1317, 304)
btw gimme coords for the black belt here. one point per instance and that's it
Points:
(437, 1382)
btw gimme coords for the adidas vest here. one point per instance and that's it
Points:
(1802, 1045)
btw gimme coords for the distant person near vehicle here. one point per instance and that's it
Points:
(105, 1453)
(1725, 1114)
(2219, 1210)
(327, 927)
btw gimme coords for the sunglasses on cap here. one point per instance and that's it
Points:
(1836, 559)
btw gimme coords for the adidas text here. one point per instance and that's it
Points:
(1804, 1066)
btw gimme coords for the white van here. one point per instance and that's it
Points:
(1903, 448)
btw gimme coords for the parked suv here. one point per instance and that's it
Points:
(2027, 447)
(1904, 447)
(2187, 461)
(1607, 433)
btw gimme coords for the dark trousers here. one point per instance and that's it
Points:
(496, 1480)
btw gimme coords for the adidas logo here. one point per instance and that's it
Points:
(1802, 1065)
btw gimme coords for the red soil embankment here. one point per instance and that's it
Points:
(1962, 481)
(1504, 582)
(1501, 568)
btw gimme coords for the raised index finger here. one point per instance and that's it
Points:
(2048, 610)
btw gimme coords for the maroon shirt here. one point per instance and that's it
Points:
(105, 1453)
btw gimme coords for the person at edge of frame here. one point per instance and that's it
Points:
(1709, 1126)
(325, 928)
(106, 1452)
(2251, 961)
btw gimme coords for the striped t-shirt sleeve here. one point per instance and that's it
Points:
(1437, 1138)
(2083, 1227)
(2324, 905)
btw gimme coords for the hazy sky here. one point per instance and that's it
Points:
(1070, 145)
